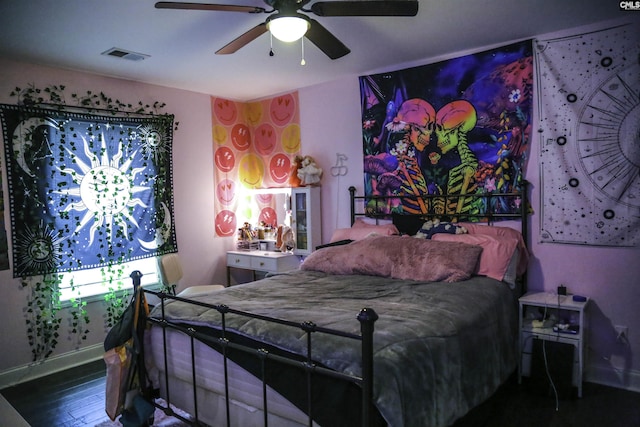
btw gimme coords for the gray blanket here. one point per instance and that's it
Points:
(439, 348)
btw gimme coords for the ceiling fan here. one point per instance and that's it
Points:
(288, 10)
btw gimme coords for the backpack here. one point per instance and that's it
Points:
(124, 353)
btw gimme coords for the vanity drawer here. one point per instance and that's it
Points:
(239, 260)
(264, 263)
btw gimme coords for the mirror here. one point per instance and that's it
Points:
(265, 208)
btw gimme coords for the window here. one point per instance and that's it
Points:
(89, 283)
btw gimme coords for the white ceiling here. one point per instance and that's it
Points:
(181, 43)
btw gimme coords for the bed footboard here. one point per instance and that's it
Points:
(228, 344)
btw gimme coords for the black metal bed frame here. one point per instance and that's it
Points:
(366, 317)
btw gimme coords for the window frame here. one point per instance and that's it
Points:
(96, 290)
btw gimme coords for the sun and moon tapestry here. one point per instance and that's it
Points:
(86, 190)
(589, 103)
(254, 147)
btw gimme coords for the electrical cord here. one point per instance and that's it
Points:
(544, 356)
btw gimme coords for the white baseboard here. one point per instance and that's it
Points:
(52, 365)
(626, 379)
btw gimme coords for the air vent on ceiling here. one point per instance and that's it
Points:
(125, 54)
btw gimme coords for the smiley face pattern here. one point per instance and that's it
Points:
(254, 145)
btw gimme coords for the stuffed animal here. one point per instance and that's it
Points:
(309, 172)
(294, 180)
(434, 226)
(288, 240)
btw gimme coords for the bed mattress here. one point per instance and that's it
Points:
(439, 348)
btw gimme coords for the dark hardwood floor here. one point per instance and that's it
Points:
(515, 405)
(71, 398)
(76, 398)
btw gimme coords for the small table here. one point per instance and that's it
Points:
(267, 261)
(562, 306)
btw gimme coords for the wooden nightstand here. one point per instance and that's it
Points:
(573, 330)
(269, 262)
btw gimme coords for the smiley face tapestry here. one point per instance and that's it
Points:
(254, 145)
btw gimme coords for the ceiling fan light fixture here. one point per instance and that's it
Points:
(288, 28)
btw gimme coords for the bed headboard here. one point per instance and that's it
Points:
(376, 207)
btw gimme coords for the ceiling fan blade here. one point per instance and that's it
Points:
(205, 6)
(243, 40)
(365, 8)
(326, 42)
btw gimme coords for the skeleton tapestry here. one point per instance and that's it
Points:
(86, 190)
(589, 97)
(451, 128)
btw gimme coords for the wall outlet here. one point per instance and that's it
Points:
(621, 332)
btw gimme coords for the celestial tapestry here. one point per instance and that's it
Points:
(455, 127)
(589, 102)
(87, 190)
(254, 145)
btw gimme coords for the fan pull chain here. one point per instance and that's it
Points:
(302, 62)
(271, 41)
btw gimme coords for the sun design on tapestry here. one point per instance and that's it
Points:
(154, 141)
(39, 249)
(101, 191)
(104, 190)
(87, 190)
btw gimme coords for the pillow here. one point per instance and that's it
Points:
(432, 227)
(492, 230)
(361, 229)
(497, 251)
(523, 253)
(511, 275)
(407, 224)
(399, 258)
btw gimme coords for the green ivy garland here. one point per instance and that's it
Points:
(43, 302)
(79, 318)
(115, 298)
(55, 95)
(43, 322)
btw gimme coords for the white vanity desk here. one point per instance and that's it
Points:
(267, 261)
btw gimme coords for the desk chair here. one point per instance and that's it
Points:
(171, 272)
